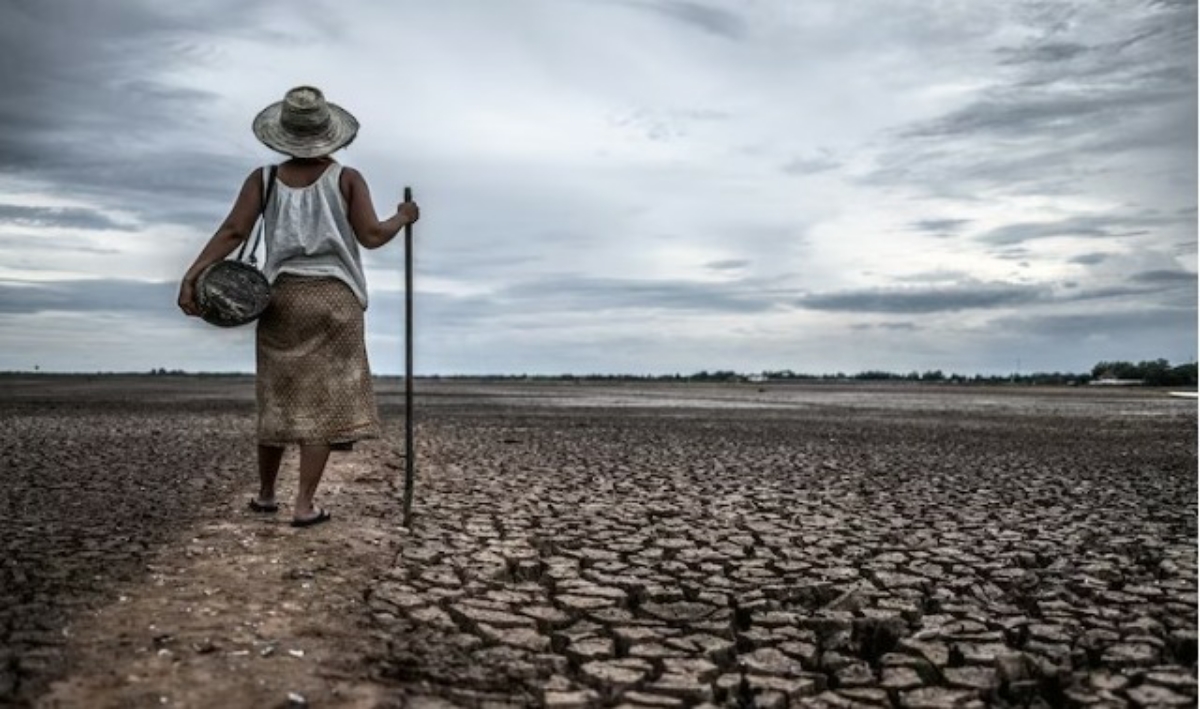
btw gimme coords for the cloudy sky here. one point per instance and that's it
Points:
(640, 186)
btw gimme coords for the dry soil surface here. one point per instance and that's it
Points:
(575, 545)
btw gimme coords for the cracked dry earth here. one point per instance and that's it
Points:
(643, 546)
(827, 556)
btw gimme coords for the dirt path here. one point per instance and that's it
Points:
(247, 611)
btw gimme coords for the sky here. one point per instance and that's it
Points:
(627, 186)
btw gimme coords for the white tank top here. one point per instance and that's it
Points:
(308, 233)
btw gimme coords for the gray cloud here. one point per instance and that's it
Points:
(119, 105)
(587, 293)
(1095, 226)
(1090, 259)
(1148, 289)
(811, 165)
(88, 296)
(580, 294)
(732, 264)
(1094, 88)
(1102, 293)
(940, 227)
(1044, 52)
(1012, 253)
(1052, 113)
(665, 125)
(1117, 324)
(540, 303)
(963, 296)
(23, 243)
(1165, 278)
(68, 217)
(928, 278)
(1067, 86)
(895, 326)
(706, 18)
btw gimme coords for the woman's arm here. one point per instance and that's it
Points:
(369, 231)
(233, 231)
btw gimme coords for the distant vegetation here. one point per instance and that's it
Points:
(1157, 372)
(1149, 373)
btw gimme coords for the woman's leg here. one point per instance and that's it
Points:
(312, 467)
(269, 458)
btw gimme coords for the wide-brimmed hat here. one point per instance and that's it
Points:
(305, 125)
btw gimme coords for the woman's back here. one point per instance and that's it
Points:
(308, 229)
(302, 173)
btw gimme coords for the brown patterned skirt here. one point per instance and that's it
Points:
(314, 383)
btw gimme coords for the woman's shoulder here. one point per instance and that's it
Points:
(346, 181)
(349, 176)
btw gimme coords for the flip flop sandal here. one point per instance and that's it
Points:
(257, 506)
(322, 516)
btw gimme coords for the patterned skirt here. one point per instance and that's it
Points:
(314, 383)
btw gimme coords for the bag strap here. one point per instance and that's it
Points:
(268, 190)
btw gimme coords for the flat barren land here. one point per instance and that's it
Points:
(580, 545)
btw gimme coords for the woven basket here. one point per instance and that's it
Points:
(232, 293)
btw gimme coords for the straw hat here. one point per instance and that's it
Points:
(305, 125)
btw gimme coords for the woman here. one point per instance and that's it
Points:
(314, 383)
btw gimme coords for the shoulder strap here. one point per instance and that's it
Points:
(268, 190)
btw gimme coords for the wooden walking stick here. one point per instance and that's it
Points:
(409, 452)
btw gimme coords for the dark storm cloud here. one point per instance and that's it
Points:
(84, 91)
(964, 296)
(67, 217)
(700, 16)
(87, 296)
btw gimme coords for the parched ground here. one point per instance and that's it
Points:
(604, 545)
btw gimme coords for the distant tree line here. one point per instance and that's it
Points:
(938, 376)
(1150, 373)
(1158, 372)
